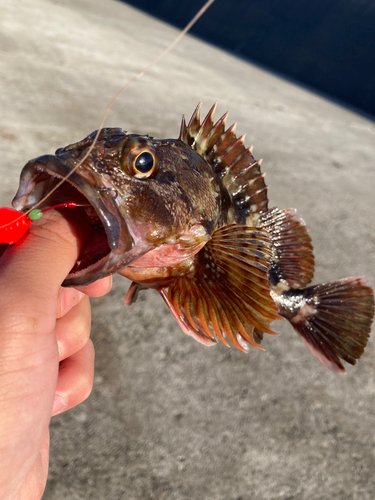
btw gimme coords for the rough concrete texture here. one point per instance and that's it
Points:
(169, 418)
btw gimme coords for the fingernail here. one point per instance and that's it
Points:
(58, 406)
(67, 299)
(60, 349)
(109, 283)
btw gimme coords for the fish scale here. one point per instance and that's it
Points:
(189, 218)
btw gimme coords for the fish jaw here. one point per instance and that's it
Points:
(117, 247)
(132, 216)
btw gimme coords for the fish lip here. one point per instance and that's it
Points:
(116, 229)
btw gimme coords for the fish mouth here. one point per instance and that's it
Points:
(103, 252)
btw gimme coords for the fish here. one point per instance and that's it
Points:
(189, 218)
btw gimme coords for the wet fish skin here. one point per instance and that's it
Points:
(181, 191)
(189, 217)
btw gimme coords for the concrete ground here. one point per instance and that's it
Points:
(169, 418)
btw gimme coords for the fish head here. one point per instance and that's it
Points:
(140, 194)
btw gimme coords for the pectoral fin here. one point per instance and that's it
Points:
(226, 295)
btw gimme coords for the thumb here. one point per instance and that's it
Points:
(31, 273)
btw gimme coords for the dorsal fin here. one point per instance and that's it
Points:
(228, 156)
(293, 258)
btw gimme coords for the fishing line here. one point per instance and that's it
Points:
(13, 226)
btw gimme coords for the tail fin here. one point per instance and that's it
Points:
(333, 319)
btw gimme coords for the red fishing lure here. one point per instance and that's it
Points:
(14, 224)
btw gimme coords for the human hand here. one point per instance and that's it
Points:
(46, 356)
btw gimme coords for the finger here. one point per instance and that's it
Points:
(70, 297)
(67, 299)
(33, 270)
(75, 379)
(98, 288)
(73, 330)
(31, 273)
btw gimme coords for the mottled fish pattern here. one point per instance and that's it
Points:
(189, 217)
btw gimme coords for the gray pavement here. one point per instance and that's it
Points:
(169, 418)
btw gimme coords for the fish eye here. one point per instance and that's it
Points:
(144, 164)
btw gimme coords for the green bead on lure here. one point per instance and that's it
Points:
(35, 214)
(14, 224)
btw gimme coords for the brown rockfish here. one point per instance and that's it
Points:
(189, 217)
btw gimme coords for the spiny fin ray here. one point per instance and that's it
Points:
(229, 158)
(215, 301)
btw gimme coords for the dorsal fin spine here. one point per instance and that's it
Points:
(205, 131)
(245, 170)
(183, 129)
(229, 159)
(194, 122)
(217, 131)
(196, 115)
(209, 119)
(232, 152)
